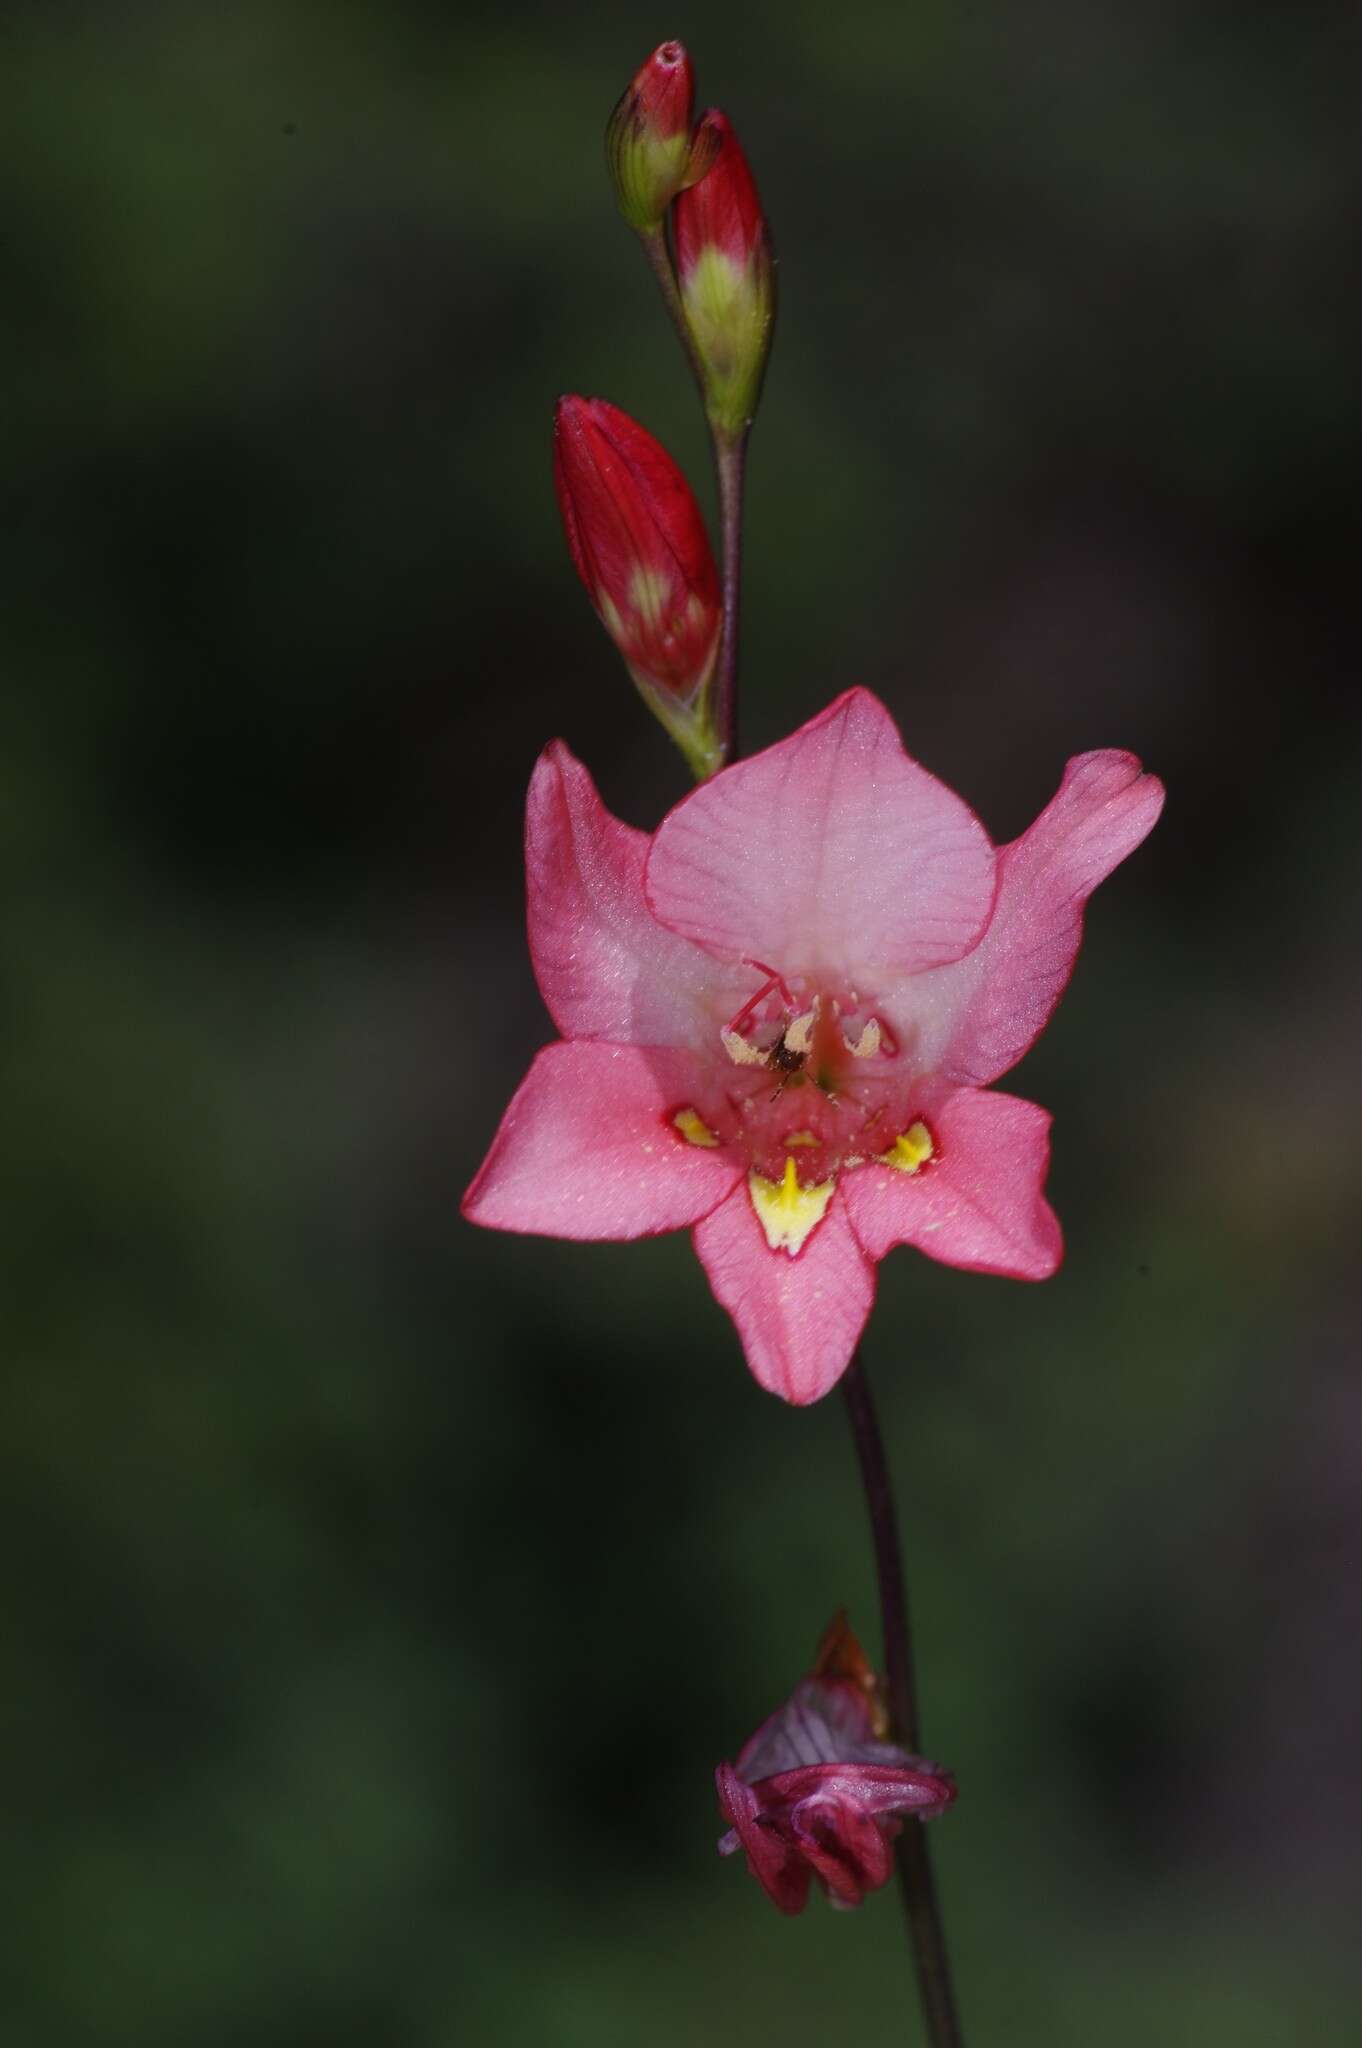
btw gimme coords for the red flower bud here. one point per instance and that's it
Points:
(648, 138)
(639, 543)
(726, 275)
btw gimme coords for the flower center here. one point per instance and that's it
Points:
(810, 1084)
(798, 1027)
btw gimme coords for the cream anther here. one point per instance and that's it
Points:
(868, 1044)
(740, 1050)
(799, 1034)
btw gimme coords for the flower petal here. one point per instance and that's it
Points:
(978, 1016)
(822, 1722)
(607, 969)
(777, 1866)
(587, 1149)
(979, 1203)
(798, 1318)
(831, 851)
(848, 1849)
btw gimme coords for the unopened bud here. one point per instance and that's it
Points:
(638, 540)
(648, 141)
(727, 277)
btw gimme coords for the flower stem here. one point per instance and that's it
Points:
(655, 248)
(730, 462)
(915, 1871)
(730, 465)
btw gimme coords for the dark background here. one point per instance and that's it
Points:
(379, 1594)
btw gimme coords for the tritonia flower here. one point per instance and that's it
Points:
(781, 1017)
(818, 1793)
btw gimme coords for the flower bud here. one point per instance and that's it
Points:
(648, 142)
(726, 276)
(639, 544)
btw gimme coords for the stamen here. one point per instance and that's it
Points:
(868, 1044)
(740, 1050)
(798, 1036)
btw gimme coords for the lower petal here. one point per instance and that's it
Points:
(799, 1318)
(587, 1148)
(846, 1848)
(776, 1865)
(978, 1204)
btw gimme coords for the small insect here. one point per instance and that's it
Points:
(789, 1055)
(785, 1058)
(789, 1065)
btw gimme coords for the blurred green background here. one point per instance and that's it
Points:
(380, 1594)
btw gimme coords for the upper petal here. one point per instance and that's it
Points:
(606, 967)
(831, 850)
(822, 1722)
(799, 1318)
(587, 1149)
(979, 1203)
(978, 1016)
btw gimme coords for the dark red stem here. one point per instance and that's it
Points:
(915, 1871)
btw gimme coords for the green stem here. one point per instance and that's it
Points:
(920, 1904)
(730, 466)
(655, 248)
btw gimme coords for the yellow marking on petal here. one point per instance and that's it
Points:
(801, 1138)
(741, 1051)
(786, 1211)
(693, 1127)
(868, 1044)
(912, 1148)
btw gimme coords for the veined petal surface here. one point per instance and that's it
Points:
(799, 1318)
(587, 1150)
(979, 1204)
(976, 1017)
(607, 969)
(833, 850)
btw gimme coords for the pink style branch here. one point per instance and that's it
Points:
(795, 1059)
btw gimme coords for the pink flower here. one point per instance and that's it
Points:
(816, 1793)
(781, 1015)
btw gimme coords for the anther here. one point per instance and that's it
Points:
(798, 1036)
(868, 1044)
(740, 1050)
